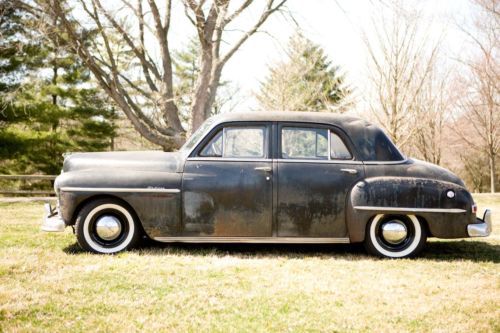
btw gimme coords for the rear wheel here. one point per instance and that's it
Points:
(106, 226)
(395, 236)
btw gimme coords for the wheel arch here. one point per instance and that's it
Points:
(126, 235)
(425, 224)
(95, 197)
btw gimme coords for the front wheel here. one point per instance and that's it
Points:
(106, 226)
(395, 236)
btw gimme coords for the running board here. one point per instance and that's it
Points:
(275, 240)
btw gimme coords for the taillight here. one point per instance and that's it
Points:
(474, 209)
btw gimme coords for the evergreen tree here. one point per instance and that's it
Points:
(305, 81)
(49, 104)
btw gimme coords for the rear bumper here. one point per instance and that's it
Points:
(52, 221)
(482, 228)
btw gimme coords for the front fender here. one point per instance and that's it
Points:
(445, 217)
(153, 195)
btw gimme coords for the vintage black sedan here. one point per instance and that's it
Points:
(266, 177)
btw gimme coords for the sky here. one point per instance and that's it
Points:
(337, 26)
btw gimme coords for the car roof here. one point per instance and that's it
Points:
(312, 117)
(369, 140)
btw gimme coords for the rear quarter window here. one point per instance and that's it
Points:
(374, 145)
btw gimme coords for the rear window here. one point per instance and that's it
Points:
(374, 145)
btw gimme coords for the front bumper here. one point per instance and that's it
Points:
(482, 228)
(52, 221)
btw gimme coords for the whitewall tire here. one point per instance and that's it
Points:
(395, 236)
(106, 226)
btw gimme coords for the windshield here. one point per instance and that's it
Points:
(197, 135)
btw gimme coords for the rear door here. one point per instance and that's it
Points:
(227, 183)
(316, 171)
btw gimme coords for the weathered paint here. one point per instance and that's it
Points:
(312, 198)
(158, 212)
(386, 192)
(229, 198)
(226, 198)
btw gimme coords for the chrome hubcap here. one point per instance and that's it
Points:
(394, 232)
(108, 227)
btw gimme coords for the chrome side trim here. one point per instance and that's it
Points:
(412, 210)
(229, 159)
(276, 240)
(225, 159)
(292, 160)
(385, 162)
(120, 190)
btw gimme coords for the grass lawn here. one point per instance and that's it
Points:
(48, 284)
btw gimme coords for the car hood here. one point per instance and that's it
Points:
(422, 169)
(129, 160)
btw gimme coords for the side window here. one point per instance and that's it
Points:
(309, 143)
(312, 143)
(338, 150)
(244, 142)
(236, 142)
(214, 147)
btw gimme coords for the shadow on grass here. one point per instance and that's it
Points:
(150, 247)
(436, 250)
(462, 250)
(73, 249)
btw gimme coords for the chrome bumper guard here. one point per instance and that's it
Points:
(482, 228)
(52, 222)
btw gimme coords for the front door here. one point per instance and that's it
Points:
(316, 171)
(227, 184)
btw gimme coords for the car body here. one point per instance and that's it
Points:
(266, 177)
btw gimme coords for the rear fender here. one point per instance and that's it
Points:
(426, 198)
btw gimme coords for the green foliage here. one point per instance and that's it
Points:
(305, 81)
(49, 104)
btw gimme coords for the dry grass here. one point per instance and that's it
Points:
(47, 284)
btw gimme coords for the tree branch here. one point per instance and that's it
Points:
(269, 10)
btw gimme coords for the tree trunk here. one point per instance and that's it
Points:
(121, 86)
(492, 172)
(205, 90)
(201, 92)
(170, 111)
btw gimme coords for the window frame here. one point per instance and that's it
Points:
(266, 126)
(226, 128)
(316, 131)
(329, 129)
(205, 145)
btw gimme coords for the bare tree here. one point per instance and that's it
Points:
(475, 170)
(402, 59)
(481, 99)
(433, 109)
(143, 86)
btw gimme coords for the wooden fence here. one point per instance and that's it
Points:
(26, 178)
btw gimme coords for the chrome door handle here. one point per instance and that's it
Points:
(350, 171)
(265, 169)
